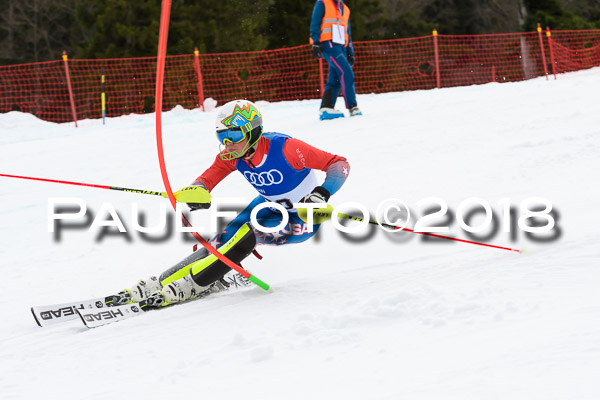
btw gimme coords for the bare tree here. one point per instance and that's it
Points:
(7, 29)
(588, 9)
(483, 16)
(34, 30)
(499, 16)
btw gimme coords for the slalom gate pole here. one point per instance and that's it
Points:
(346, 216)
(160, 74)
(103, 96)
(539, 30)
(121, 189)
(68, 77)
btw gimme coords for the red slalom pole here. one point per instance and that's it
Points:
(71, 98)
(160, 74)
(539, 30)
(550, 45)
(341, 215)
(436, 53)
(122, 189)
(199, 75)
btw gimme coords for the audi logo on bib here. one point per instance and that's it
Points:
(266, 178)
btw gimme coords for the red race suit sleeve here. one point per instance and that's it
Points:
(215, 173)
(302, 155)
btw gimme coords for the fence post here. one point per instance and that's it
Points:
(539, 29)
(65, 58)
(437, 57)
(550, 44)
(199, 74)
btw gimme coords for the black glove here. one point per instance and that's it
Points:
(317, 50)
(351, 60)
(198, 206)
(195, 196)
(318, 195)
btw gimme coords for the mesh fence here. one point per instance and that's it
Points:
(291, 73)
(468, 60)
(575, 50)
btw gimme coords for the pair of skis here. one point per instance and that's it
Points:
(100, 311)
(92, 312)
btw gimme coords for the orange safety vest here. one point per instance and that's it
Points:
(332, 16)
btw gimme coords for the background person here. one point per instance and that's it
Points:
(331, 39)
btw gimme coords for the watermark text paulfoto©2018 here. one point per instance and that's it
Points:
(533, 216)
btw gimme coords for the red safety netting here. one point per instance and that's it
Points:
(394, 65)
(291, 73)
(469, 60)
(39, 89)
(575, 50)
(130, 85)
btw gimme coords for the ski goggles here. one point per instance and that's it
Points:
(238, 133)
(232, 135)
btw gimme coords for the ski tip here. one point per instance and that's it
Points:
(36, 318)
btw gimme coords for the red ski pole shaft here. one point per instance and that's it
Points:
(121, 189)
(341, 215)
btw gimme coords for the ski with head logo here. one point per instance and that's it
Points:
(103, 310)
(56, 313)
(93, 318)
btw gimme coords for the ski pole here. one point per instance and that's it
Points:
(346, 216)
(237, 268)
(163, 194)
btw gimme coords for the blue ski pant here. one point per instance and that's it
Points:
(340, 74)
(296, 230)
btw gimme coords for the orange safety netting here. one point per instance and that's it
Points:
(468, 60)
(291, 73)
(575, 50)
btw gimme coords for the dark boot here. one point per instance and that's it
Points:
(327, 100)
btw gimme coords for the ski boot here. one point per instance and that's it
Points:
(177, 291)
(186, 289)
(235, 280)
(138, 292)
(355, 111)
(330, 113)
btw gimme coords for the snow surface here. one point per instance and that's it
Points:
(385, 316)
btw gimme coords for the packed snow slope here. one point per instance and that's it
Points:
(374, 316)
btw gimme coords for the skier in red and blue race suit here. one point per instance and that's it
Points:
(280, 168)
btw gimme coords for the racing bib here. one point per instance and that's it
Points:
(339, 34)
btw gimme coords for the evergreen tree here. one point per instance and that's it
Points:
(588, 10)
(117, 28)
(288, 23)
(473, 17)
(39, 30)
(550, 13)
(406, 25)
(366, 20)
(445, 15)
(120, 28)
